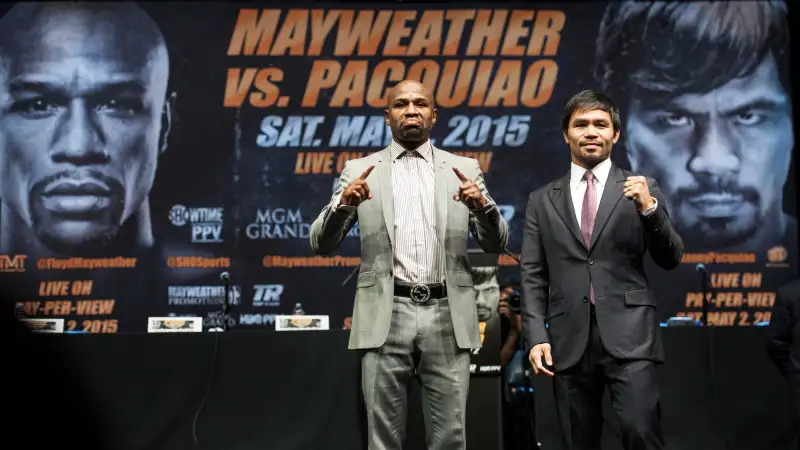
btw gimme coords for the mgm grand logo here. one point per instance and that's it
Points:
(278, 223)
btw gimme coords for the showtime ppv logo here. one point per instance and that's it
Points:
(206, 223)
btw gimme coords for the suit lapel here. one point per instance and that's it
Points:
(441, 187)
(611, 195)
(384, 172)
(561, 197)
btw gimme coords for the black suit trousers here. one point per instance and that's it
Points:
(633, 388)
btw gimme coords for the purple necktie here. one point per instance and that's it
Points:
(588, 212)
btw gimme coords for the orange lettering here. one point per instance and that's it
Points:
(428, 35)
(457, 18)
(481, 82)
(364, 32)
(397, 32)
(505, 86)
(351, 85)
(486, 32)
(323, 76)
(540, 80)
(378, 93)
(516, 30)
(251, 31)
(321, 26)
(292, 36)
(546, 33)
(237, 86)
(455, 82)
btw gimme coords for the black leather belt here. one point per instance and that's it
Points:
(418, 292)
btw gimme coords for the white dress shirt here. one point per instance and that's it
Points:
(577, 186)
(418, 254)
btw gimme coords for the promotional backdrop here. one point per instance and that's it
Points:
(135, 170)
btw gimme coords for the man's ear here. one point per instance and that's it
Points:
(166, 120)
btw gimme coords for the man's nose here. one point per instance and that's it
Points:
(716, 153)
(590, 132)
(411, 110)
(78, 137)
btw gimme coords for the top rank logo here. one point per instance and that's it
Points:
(206, 223)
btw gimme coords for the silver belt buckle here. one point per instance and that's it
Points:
(420, 293)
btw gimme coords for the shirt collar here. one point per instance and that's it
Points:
(600, 172)
(423, 150)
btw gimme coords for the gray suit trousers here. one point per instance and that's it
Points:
(421, 337)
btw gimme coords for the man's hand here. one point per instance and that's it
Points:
(635, 188)
(504, 309)
(536, 359)
(357, 191)
(468, 192)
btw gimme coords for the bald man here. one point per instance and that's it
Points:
(415, 307)
(84, 117)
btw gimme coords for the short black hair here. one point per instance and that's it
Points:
(665, 49)
(589, 100)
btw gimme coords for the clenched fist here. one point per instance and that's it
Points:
(636, 189)
(357, 191)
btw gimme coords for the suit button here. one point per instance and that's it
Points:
(590, 261)
(585, 299)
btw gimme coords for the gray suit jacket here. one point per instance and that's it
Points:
(557, 268)
(375, 286)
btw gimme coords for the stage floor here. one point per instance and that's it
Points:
(300, 391)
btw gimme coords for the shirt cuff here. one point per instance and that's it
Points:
(647, 212)
(338, 206)
(345, 208)
(483, 209)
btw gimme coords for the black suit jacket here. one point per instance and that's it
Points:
(557, 268)
(783, 343)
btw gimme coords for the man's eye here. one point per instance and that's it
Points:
(749, 118)
(35, 108)
(120, 107)
(675, 120)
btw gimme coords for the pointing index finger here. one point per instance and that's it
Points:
(364, 175)
(460, 175)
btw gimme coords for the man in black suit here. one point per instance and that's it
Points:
(582, 275)
(783, 344)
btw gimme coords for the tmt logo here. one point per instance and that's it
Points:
(14, 263)
(267, 294)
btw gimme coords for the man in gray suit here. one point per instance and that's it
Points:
(415, 307)
(582, 276)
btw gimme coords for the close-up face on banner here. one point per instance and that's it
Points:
(148, 148)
